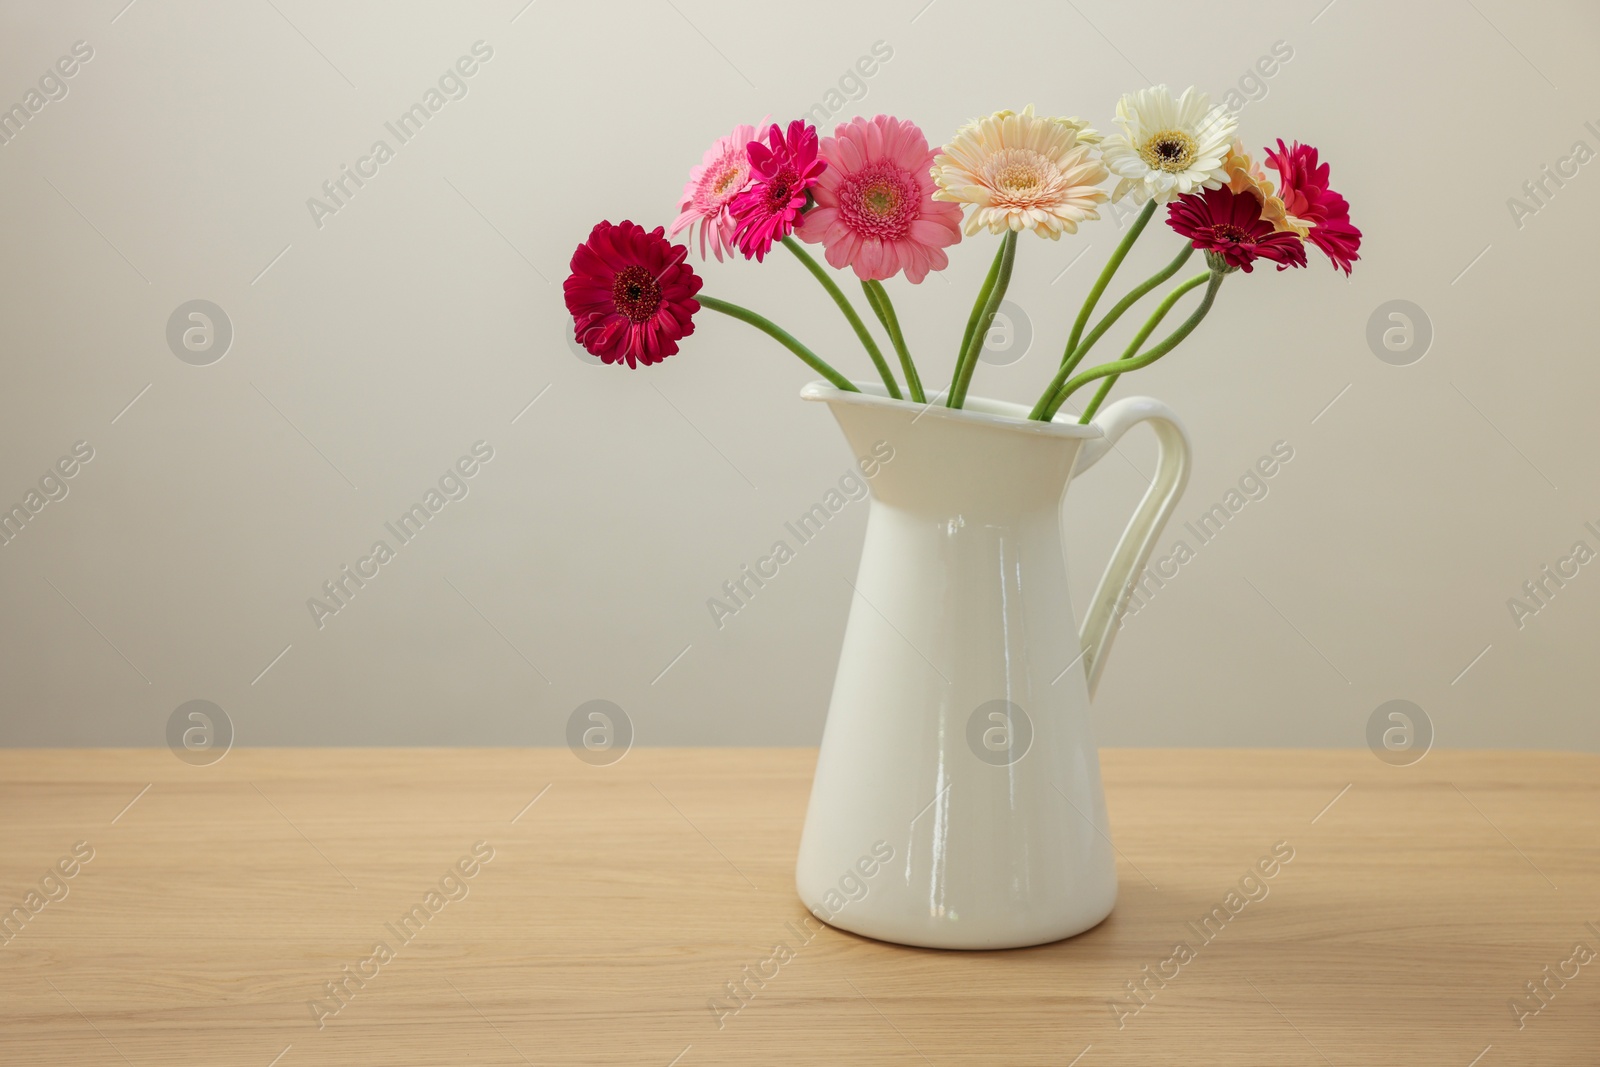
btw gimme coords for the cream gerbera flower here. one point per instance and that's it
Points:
(1022, 172)
(1168, 146)
(1086, 134)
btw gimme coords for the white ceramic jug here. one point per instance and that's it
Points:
(957, 800)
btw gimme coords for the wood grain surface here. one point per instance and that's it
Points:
(220, 903)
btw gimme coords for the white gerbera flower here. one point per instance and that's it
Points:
(1168, 146)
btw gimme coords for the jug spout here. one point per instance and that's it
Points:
(983, 457)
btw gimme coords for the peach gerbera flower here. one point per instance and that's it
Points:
(1021, 172)
(1244, 175)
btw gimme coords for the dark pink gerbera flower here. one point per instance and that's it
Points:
(782, 172)
(631, 294)
(1322, 214)
(1230, 225)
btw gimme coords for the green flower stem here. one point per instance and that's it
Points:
(878, 297)
(1105, 278)
(997, 293)
(1134, 295)
(849, 313)
(1131, 362)
(977, 309)
(779, 334)
(1099, 398)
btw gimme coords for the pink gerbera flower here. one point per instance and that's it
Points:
(874, 204)
(1315, 211)
(631, 294)
(1229, 225)
(723, 174)
(784, 172)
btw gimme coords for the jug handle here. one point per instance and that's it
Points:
(1138, 540)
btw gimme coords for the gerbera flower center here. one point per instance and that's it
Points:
(1228, 232)
(733, 176)
(1021, 177)
(779, 189)
(880, 200)
(636, 293)
(1169, 150)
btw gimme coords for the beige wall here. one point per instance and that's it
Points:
(375, 346)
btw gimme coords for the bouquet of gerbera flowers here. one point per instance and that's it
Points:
(881, 202)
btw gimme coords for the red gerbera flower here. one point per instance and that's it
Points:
(783, 175)
(1323, 213)
(1230, 224)
(631, 294)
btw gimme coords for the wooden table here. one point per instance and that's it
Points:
(221, 901)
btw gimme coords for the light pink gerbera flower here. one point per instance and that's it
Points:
(723, 174)
(875, 210)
